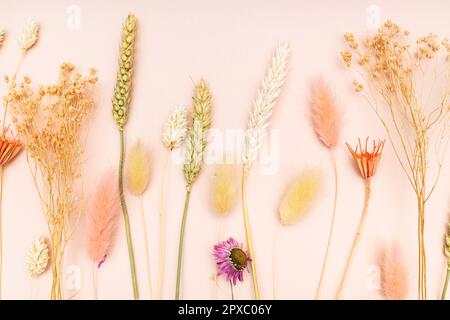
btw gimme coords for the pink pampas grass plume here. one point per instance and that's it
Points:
(325, 114)
(394, 284)
(102, 217)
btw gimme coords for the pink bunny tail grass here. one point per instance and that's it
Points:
(325, 114)
(393, 275)
(102, 217)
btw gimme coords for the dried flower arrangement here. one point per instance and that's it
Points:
(394, 281)
(102, 220)
(10, 146)
(407, 86)
(447, 255)
(367, 163)
(326, 120)
(256, 132)
(231, 261)
(173, 135)
(195, 150)
(121, 103)
(138, 173)
(49, 122)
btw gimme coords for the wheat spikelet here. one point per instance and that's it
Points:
(122, 91)
(29, 35)
(393, 275)
(325, 114)
(102, 217)
(197, 134)
(139, 168)
(38, 257)
(175, 128)
(2, 36)
(264, 103)
(299, 196)
(224, 188)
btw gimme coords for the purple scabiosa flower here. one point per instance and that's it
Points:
(231, 260)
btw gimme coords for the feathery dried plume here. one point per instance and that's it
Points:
(299, 196)
(122, 91)
(175, 128)
(37, 259)
(264, 103)
(2, 36)
(325, 114)
(139, 168)
(197, 134)
(29, 35)
(394, 284)
(102, 217)
(224, 188)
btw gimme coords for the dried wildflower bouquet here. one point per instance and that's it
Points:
(49, 122)
(407, 86)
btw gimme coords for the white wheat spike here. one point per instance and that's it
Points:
(175, 128)
(37, 259)
(264, 103)
(2, 36)
(29, 35)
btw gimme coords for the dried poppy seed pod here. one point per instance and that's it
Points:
(122, 91)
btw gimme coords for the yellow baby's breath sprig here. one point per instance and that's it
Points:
(195, 150)
(120, 108)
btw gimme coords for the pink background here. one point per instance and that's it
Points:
(229, 43)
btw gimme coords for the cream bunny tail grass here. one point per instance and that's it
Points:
(325, 114)
(224, 188)
(394, 280)
(38, 257)
(263, 105)
(2, 36)
(299, 196)
(139, 168)
(29, 35)
(102, 218)
(175, 128)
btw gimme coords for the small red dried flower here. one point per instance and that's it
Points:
(367, 161)
(9, 148)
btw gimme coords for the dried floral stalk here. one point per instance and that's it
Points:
(49, 122)
(367, 162)
(407, 86)
(173, 135)
(195, 151)
(121, 103)
(326, 120)
(256, 132)
(447, 255)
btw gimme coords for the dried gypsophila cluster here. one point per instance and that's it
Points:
(122, 91)
(175, 128)
(263, 105)
(38, 257)
(29, 35)
(197, 134)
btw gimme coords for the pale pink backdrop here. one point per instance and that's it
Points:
(229, 43)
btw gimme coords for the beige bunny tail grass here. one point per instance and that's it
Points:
(29, 35)
(139, 168)
(224, 188)
(299, 196)
(325, 114)
(38, 257)
(393, 275)
(2, 36)
(102, 217)
(263, 105)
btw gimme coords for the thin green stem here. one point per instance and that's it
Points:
(444, 290)
(180, 246)
(232, 292)
(126, 219)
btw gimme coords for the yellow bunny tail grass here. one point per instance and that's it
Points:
(394, 284)
(224, 188)
(139, 168)
(299, 196)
